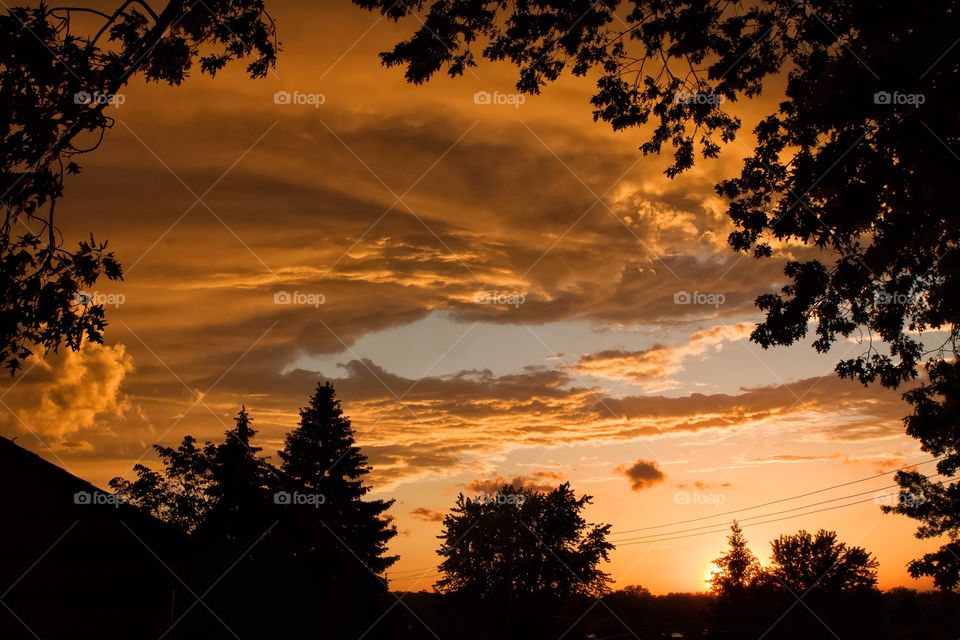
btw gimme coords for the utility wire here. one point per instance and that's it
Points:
(753, 524)
(772, 502)
(775, 513)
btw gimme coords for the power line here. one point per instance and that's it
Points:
(435, 575)
(753, 524)
(434, 567)
(775, 513)
(772, 502)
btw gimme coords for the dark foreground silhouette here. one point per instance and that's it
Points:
(76, 564)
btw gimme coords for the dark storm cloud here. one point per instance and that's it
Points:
(642, 474)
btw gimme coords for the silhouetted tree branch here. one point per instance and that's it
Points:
(54, 88)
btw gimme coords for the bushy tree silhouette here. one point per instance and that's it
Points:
(820, 564)
(180, 494)
(217, 491)
(54, 87)
(936, 423)
(520, 542)
(856, 160)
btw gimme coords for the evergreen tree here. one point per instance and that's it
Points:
(737, 586)
(322, 473)
(219, 494)
(239, 487)
(737, 569)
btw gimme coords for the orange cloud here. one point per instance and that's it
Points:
(652, 368)
(537, 481)
(67, 395)
(427, 515)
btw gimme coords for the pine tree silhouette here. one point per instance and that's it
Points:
(335, 529)
(240, 487)
(737, 569)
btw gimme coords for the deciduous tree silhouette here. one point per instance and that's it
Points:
(936, 423)
(857, 160)
(54, 87)
(180, 494)
(521, 542)
(820, 564)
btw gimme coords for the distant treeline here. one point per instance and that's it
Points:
(634, 613)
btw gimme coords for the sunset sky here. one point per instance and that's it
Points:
(498, 287)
